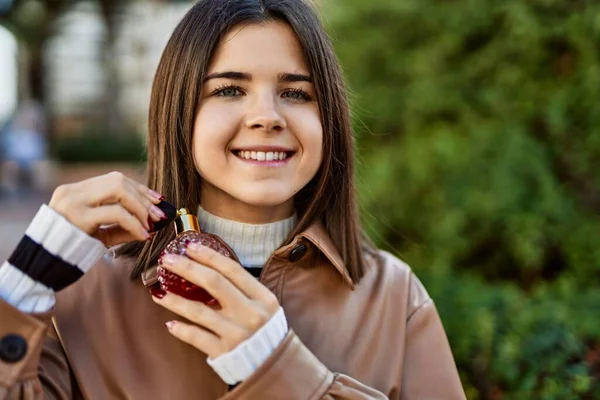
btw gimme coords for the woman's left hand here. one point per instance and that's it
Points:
(245, 304)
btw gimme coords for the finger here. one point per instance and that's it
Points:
(117, 214)
(150, 194)
(115, 234)
(151, 199)
(104, 189)
(209, 279)
(205, 341)
(142, 193)
(117, 188)
(156, 214)
(198, 313)
(123, 190)
(230, 269)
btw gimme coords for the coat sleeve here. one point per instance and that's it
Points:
(429, 370)
(33, 365)
(293, 372)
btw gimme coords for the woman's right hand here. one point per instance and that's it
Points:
(111, 208)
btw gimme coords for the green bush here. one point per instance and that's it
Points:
(93, 147)
(506, 344)
(478, 126)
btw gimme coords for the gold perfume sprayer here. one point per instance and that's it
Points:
(186, 222)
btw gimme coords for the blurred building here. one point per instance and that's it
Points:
(8, 75)
(80, 71)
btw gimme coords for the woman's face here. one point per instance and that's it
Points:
(257, 135)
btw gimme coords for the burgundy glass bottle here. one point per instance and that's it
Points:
(188, 231)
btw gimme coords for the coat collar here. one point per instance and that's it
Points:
(316, 234)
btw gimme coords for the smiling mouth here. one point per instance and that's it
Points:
(263, 155)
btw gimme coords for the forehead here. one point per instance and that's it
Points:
(271, 46)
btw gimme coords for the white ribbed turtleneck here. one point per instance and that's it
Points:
(252, 243)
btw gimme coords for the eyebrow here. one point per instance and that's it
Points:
(242, 76)
(289, 78)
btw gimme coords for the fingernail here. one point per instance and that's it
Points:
(147, 235)
(156, 195)
(194, 246)
(212, 302)
(158, 213)
(170, 324)
(157, 292)
(169, 259)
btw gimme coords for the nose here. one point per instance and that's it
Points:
(265, 116)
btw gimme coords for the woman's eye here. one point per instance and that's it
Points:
(229, 92)
(297, 95)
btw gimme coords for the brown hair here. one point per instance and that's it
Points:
(329, 196)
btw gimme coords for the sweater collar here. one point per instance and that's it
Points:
(252, 243)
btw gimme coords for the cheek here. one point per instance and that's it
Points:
(212, 133)
(309, 131)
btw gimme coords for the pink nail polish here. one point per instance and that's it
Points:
(169, 259)
(157, 292)
(170, 324)
(156, 195)
(193, 246)
(158, 212)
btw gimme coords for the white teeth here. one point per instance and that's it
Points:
(262, 156)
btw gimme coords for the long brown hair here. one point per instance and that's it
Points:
(329, 196)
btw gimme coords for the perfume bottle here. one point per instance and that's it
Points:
(188, 231)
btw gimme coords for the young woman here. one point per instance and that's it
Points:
(249, 125)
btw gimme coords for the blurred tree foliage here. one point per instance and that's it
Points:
(478, 126)
(95, 146)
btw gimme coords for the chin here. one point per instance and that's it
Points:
(265, 198)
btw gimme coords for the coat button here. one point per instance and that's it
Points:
(12, 348)
(298, 252)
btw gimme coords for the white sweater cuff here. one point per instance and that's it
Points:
(63, 241)
(238, 364)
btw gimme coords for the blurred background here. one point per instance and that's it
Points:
(478, 126)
